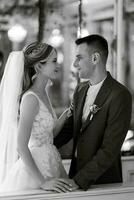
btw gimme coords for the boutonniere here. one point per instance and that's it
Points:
(93, 110)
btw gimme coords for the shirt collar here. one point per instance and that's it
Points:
(90, 84)
(98, 84)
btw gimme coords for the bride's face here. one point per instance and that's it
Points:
(50, 68)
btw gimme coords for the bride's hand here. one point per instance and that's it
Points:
(59, 123)
(57, 185)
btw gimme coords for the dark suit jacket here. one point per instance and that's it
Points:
(99, 140)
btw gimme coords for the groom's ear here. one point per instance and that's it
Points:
(95, 58)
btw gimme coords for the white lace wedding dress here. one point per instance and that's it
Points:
(43, 151)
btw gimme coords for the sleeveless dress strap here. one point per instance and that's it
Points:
(40, 101)
(30, 92)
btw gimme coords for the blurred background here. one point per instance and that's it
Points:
(60, 23)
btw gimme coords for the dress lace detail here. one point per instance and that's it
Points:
(43, 151)
(42, 130)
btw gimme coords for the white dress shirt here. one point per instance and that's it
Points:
(90, 98)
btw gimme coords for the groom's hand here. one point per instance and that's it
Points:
(70, 184)
(60, 185)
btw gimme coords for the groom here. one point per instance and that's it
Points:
(100, 119)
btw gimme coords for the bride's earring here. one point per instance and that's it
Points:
(34, 76)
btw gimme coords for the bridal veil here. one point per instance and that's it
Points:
(10, 90)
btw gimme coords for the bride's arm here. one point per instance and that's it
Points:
(61, 121)
(28, 111)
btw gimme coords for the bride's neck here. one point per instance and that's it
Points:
(39, 86)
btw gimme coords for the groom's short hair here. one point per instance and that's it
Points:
(98, 42)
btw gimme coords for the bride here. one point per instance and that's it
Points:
(28, 123)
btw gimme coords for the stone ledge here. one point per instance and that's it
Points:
(96, 192)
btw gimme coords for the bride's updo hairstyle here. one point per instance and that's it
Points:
(34, 53)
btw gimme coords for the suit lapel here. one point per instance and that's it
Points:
(101, 97)
(80, 100)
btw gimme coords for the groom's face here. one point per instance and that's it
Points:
(83, 61)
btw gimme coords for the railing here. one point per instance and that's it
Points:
(100, 192)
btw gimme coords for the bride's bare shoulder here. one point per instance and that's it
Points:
(29, 102)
